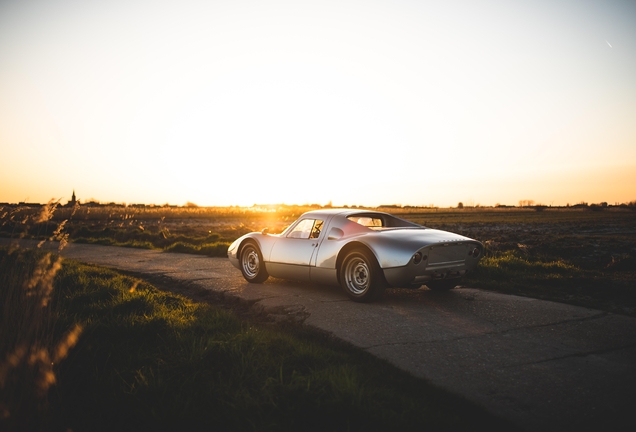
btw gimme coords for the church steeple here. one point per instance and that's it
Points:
(73, 199)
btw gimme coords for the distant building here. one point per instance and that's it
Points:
(73, 200)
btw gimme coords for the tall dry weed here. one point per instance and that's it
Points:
(29, 347)
(46, 214)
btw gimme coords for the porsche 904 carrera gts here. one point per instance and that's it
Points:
(362, 251)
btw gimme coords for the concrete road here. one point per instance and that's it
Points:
(546, 366)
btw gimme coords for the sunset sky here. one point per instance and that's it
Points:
(238, 102)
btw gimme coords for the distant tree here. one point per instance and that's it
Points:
(526, 203)
(190, 204)
(460, 205)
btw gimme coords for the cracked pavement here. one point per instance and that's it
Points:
(546, 366)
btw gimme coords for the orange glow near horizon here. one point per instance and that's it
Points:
(553, 189)
(349, 102)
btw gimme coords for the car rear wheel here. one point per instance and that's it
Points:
(442, 285)
(361, 276)
(252, 266)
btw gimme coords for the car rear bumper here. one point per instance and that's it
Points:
(442, 261)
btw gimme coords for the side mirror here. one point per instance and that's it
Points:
(335, 234)
(265, 231)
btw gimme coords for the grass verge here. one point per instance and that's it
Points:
(153, 360)
(515, 272)
(210, 245)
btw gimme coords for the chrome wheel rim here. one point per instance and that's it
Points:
(357, 276)
(250, 262)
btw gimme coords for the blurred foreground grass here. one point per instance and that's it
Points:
(137, 358)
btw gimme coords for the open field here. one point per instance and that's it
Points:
(584, 256)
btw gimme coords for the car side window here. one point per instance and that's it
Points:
(315, 231)
(306, 228)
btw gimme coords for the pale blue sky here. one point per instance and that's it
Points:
(355, 102)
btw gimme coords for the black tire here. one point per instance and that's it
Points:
(442, 285)
(361, 277)
(252, 265)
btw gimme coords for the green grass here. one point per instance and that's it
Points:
(515, 272)
(210, 244)
(153, 360)
(216, 249)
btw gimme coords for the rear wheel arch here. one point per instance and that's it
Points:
(360, 276)
(348, 248)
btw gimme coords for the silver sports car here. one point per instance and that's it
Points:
(362, 251)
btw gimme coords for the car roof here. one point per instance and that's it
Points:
(339, 211)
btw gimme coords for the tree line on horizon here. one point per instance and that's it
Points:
(460, 205)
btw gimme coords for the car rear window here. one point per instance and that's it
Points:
(376, 221)
(370, 222)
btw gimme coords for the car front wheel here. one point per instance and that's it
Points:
(360, 276)
(252, 266)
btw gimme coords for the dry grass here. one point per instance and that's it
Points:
(31, 346)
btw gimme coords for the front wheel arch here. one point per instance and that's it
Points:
(251, 262)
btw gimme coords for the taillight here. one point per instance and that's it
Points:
(474, 253)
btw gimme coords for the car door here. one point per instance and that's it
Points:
(291, 256)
